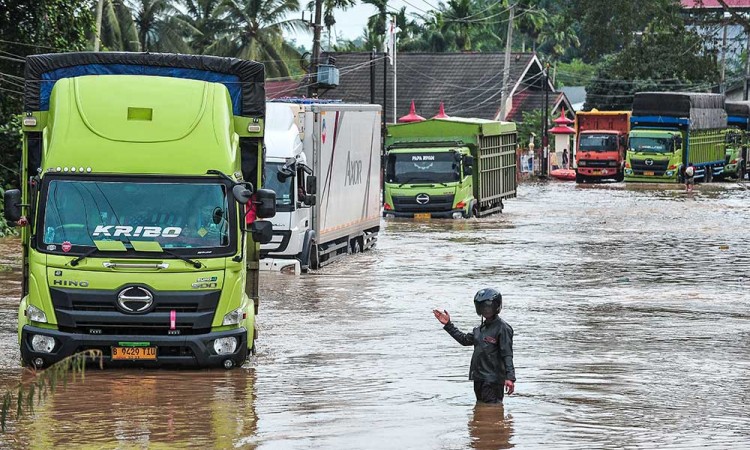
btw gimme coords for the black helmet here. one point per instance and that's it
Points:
(488, 295)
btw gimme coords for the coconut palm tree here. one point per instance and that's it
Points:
(557, 37)
(254, 31)
(119, 32)
(203, 16)
(160, 26)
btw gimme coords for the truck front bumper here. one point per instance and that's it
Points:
(599, 172)
(186, 350)
(433, 214)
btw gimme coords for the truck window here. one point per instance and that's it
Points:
(422, 167)
(177, 215)
(597, 142)
(651, 144)
(282, 187)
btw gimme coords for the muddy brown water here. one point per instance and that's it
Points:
(631, 310)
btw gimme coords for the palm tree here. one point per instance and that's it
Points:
(203, 16)
(254, 31)
(376, 22)
(557, 37)
(160, 28)
(119, 32)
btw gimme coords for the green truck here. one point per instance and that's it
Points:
(737, 139)
(671, 130)
(137, 172)
(449, 168)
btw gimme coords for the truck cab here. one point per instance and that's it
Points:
(654, 155)
(135, 187)
(601, 142)
(423, 182)
(290, 176)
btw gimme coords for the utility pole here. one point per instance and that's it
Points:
(372, 76)
(506, 64)
(747, 65)
(722, 85)
(97, 37)
(312, 89)
(545, 119)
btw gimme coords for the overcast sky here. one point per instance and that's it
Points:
(350, 23)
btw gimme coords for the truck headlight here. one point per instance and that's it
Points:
(44, 344)
(457, 215)
(234, 317)
(628, 171)
(582, 163)
(225, 346)
(670, 173)
(612, 164)
(35, 314)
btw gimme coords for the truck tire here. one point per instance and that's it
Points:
(580, 178)
(356, 245)
(708, 174)
(741, 171)
(314, 257)
(620, 177)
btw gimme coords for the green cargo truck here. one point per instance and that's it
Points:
(449, 168)
(137, 170)
(670, 130)
(737, 139)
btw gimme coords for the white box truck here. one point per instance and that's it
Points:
(323, 161)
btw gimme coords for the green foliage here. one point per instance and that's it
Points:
(530, 125)
(21, 398)
(667, 58)
(574, 73)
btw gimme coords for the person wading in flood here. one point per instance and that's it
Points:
(492, 362)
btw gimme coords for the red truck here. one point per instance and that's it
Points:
(601, 143)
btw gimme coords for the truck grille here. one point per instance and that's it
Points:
(595, 163)
(83, 310)
(435, 203)
(657, 167)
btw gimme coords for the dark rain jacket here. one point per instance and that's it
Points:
(492, 360)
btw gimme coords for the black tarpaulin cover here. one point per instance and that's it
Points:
(244, 79)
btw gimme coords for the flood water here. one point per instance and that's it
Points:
(631, 311)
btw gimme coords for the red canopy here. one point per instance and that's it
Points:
(562, 124)
(412, 116)
(441, 114)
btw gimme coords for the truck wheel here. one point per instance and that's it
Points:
(708, 174)
(741, 172)
(314, 257)
(580, 178)
(356, 245)
(620, 177)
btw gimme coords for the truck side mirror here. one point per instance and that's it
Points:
(311, 200)
(468, 171)
(265, 201)
(457, 156)
(468, 161)
(311, 185)
(240, 193)
(12, 205)
(262, 231)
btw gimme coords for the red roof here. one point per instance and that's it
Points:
(280, 89)
(714, 4)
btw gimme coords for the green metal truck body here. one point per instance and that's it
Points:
(449, 168)
(135, 243)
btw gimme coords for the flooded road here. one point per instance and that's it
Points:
(631, 311)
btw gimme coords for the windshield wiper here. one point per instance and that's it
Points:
(408, 180)
(77, 260)
(192, 262)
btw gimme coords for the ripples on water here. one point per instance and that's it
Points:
(630, 307)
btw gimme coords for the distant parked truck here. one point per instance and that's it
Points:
(323, 160)
(449, 168)
(601, 138)
(671, 130)
(736, 138)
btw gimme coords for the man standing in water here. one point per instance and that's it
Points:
(492, 362)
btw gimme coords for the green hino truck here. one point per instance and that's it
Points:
(137, 172)
(736, 138)
(449, 168)
(671, 130)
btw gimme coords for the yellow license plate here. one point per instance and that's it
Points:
(134, 353)
(649, 173)
(422, 215)
(597, 172)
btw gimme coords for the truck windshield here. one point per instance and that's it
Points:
(597, 143)
(651, 144)
(283, 188)
(422, 167)
(178, 215)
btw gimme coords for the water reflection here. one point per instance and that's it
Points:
(490, 428)
(147, 409)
